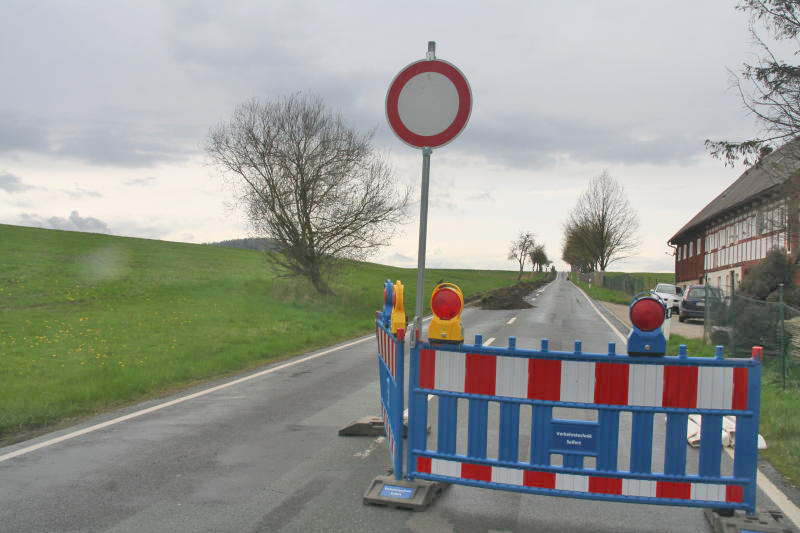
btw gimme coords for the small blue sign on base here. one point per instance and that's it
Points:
(395, 491)
(573, 436)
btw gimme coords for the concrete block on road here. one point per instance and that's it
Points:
(369, 426)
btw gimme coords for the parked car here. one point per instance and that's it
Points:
(693, 303)
(670, 294)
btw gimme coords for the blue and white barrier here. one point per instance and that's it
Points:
(608, 384)
(390, 370)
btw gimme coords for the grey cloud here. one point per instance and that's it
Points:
(74, 222)
(79, 192)
(527, 140)
(11, 183)
(19, 132)
(402, 258)
(124, 145)
(129, 139)
(484, 196)
(143, 231)
(141, 182)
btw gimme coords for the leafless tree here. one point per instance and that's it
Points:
(521, 249)
(603, 226)
(310, 182)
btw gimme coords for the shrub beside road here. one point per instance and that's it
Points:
(89, 322)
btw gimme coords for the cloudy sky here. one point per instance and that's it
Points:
(105, 108)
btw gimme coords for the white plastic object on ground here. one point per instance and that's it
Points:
(728, 432)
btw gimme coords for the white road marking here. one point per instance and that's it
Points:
(784, 504)
(614, 329)
(489, 341)
(511, 321)
(90, 429)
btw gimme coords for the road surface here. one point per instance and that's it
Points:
(262, 454)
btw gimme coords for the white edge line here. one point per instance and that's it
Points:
(785, 504)
(511, 321)
(90, 429)
(489, 341)
(790, 510)
(613, 328)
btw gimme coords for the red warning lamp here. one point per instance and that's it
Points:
(447, 302)
(647, 314)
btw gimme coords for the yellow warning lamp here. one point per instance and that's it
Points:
(447, 302)
(398, 308)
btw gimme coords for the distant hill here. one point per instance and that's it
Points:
(249, 243)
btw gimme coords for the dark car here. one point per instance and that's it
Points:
(693, 304)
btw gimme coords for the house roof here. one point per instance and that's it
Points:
(769, 172)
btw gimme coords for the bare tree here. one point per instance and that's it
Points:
(521, 249)
(770, 87)
(310, 182)
(603, 226)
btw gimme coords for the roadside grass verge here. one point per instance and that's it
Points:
(89, 322)
(780, 422)
(694, 347)
(650, 279)
(601, 293)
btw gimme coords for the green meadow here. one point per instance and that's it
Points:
(89, 322)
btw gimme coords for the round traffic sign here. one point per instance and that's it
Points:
(428, 103)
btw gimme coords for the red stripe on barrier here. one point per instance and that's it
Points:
(427, 368)
(476, 472)
(424, 465)
(680, 387)
(611, 384)
(481, 374)
(544, 379)
(536, 478)
(674, 489)
(734, 493)
(605, 485)
(740, 379)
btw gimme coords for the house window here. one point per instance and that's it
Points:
(691, 249)
(698, 246)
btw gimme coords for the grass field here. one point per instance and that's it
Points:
(89, 322)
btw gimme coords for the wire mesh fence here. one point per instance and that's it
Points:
(739, 322)
(628, 284)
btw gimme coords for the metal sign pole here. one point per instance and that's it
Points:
(423, 221)
(423, 234)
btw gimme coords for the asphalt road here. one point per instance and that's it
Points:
(263, 454)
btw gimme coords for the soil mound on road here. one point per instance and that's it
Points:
(511, 297)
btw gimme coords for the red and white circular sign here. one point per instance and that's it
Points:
(428, 103)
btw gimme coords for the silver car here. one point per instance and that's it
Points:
(671, 294)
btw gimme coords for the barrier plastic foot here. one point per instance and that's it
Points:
(415, 495)
(762, 522)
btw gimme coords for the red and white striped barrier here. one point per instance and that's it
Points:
(590, 382)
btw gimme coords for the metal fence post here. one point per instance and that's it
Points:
(780, 338)
(732, 316)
